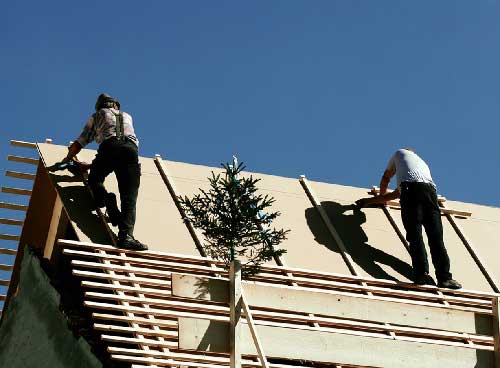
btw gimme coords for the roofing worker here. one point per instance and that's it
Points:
(419, 206)
(118, 152)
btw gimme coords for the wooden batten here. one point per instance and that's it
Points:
(13, 222)
(10, 237)
(5, 267)
(13, 206)
(10, 252)
(167, 324)
(23, 144)
(4, 282)
(19, 175)
(24, 160)
(18, 191)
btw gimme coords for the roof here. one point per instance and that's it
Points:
(344, 281)
(368, 236)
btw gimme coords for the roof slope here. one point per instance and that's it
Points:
(368, 236)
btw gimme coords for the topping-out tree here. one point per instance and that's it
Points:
(232, 217)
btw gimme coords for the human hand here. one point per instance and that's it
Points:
(360, 203)
(83, 166)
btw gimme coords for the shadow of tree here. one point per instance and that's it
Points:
(355, 240)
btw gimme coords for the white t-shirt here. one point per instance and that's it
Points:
(409, 167)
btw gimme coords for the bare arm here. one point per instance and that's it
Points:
(384, 181)
(381, 198)
(73, 150)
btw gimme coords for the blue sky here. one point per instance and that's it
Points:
(324, 88)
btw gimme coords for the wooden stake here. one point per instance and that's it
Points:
(235, 313)
(253, 331)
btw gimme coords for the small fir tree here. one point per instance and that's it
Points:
(233, 220)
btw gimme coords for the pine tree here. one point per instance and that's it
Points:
(233, 220)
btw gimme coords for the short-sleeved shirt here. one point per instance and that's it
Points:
(409, 167)
(102, 125)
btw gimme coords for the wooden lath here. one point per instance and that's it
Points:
(19, 191)
(23, 144)
(13, 206)
(13, 222)
(156, 273)
(153, 298)
(22, 159)
(20, 175)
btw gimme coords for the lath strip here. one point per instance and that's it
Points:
(312, 280)
(18, 191)
(7, 251)
(23, 144)
(13, 206)
(10, 237)
(20, 175)
(24, 160)
(13, 222)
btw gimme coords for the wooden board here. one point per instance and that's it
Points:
(203, 335)
(337, 305)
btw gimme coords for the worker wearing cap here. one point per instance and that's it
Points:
(113, 130)
(419, 207)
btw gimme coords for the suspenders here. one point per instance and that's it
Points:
(120, 134)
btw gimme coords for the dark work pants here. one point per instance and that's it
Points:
(121, 158)
(419, 207)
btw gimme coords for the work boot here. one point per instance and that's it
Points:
(424, 279)
(128, 242)
(112, 210)
(449, 284)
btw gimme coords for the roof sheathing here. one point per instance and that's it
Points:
(368, 235)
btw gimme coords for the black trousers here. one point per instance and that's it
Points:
(419, 207)
(120, 157)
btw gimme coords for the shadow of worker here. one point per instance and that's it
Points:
(355, 240)
(80, 208)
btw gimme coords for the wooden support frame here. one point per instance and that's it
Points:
(157, 301)
(407, 293)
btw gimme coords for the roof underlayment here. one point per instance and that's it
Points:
(368, 236)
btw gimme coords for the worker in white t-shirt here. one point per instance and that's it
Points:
(419, 207)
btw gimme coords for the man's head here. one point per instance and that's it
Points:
(106, 101)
